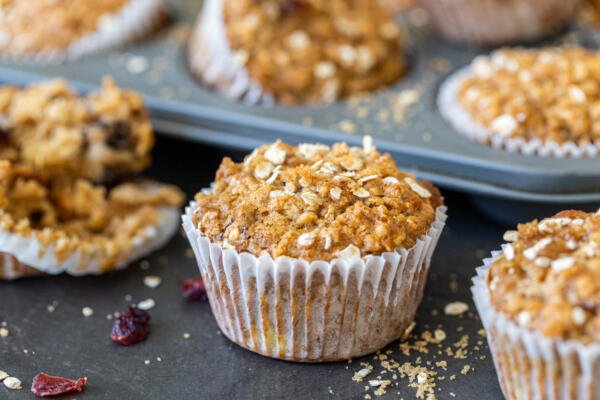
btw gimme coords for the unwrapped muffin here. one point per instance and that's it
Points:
(51, 130)
(539, 301)
(49, 30)
(69, 199)
(493, 22)
(296, 52)
(543, 102)
(312, 253)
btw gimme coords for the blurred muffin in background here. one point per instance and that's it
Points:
(296, 51)
(493, 22)
(541, 102)
(398, 5)
(589, 20)
(49, 30)
(70, 197)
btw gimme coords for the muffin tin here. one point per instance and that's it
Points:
(403, 119)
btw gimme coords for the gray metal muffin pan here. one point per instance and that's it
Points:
(416, 135)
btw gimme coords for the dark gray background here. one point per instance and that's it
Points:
(208, 366)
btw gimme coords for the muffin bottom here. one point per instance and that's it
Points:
(313, 312)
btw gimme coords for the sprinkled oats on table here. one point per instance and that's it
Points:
(152, 281)
(87, 312)
(12, 383)
(4, 332)
(456, 308)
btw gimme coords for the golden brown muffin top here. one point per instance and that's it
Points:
(78, 215)
(313, 51)
(548, 278)
(32, 26)
(49, 129)
(549, 94)
(315, 202)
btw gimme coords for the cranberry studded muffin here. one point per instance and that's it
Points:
(314, 253)
(54, 30)
(494, 22)
(56, 151)
(539, 300)
(296, 51)
(543, 102)
(52, 131)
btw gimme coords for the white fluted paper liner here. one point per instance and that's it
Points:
(498, 22)
(137, 19)
(21, 255)
(529, 365)
(450, 108)
(291, 309)
(213, 62)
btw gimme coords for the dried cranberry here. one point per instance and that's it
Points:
(119, 135)
(131, 327)
(45, 385)
(194, 289)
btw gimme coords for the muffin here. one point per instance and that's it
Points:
(50, 130)
(312, 253)
(542, 102)
(494, 22)
(78, 227)
(49, 30)
(296, 52)
(69, 198)
(539, 302)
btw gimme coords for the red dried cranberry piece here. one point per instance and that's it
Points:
(45, 385)
(131, 327)
(194, 289)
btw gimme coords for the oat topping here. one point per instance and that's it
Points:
(310, 51)
(551, 280)
(22, 31)
(548, 94)
(50, 130)
(324, 203)
(77, 215)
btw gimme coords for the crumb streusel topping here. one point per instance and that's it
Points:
(548, 94)
(77, 215)
(312, 51)
(548, 278)
(315, 203)
(49, 129)
(32, 26)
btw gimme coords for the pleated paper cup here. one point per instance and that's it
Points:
(22, 256)
(137, 19)
(291, 309)
(451, 110)
(530, 365)
(493, 22)
(213, 62)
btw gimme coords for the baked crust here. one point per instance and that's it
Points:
(311, 51)
(314, 202)
(548, 279)
(33, 26)
(48, 129)
(548, 94)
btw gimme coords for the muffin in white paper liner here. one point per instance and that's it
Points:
(213, 62)
(137, 19)
(450, 108)
(22, 256)
(494, 22)
(291, 309)
(530, 365)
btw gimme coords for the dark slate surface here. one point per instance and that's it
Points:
(208, 366)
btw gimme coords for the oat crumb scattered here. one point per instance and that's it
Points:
(87, 311)
(456, 308)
